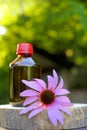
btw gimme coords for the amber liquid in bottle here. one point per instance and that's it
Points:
(23, 67)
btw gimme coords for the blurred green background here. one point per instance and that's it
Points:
(58, 31)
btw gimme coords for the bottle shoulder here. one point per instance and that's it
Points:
(17, 59)
(23, 61)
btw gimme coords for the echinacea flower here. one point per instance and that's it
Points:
(51, 97)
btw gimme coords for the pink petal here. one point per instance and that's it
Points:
(61, 91)
(64, 109)
(51, 116)
(29, 100)
(29, 93)
(59, 116)
(27, 109)
(41, 82)
(51, 82)
(57, 113)
(63, 101)
(61, 83)
(55, 78)
(35, 112)
(33, 84)
(65, 104)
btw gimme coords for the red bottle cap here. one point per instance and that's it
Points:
(24, 48)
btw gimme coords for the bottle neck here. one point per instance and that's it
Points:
(25, 55)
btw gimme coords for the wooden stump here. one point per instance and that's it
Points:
(11, 120)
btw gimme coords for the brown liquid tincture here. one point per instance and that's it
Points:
(23, 67)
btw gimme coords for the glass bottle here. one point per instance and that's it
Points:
(23, 67)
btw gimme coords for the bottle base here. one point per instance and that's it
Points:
(16, 104)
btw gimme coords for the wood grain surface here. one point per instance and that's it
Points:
(11, 120)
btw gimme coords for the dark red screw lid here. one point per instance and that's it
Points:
(24, 48)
